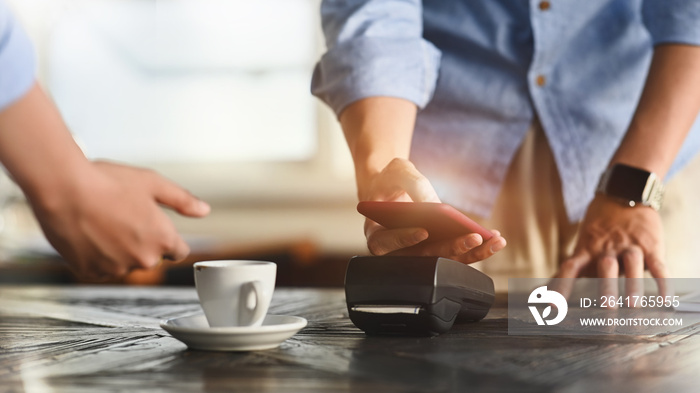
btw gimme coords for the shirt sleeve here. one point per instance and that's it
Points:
(17, 60)
(375, 48)
(672, 21)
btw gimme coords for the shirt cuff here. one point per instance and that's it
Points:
(672, 21)
(17, 60)
(377, 66)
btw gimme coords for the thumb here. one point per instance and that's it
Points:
(177, 198)
(420, 190)
(416, 185)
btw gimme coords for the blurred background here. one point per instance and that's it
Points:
(214, 94)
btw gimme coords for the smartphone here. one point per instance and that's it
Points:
(441, 220)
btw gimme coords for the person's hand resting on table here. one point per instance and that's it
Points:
(616, 239)
(105, 219)
(379, 131)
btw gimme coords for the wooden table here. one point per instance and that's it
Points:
(94, 339)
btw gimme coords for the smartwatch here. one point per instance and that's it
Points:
(631, 186)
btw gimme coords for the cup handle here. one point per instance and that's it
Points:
(250, 313)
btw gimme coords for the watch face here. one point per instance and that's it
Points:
(628, 183)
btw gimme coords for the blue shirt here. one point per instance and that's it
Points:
(480, 71)
(17, 61)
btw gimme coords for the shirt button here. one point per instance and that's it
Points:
(541, 80)
(545, 5)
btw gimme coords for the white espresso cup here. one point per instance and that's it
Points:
(235, 292)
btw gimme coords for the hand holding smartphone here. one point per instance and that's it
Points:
(441, 220)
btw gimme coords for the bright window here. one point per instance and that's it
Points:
(202, 80)
(212, 93)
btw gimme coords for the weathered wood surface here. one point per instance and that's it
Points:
(103, 339)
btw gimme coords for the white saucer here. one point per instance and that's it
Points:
(194, 331)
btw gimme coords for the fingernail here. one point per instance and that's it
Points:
(203, 206)
(472, 242)
(498, 246)
(420, 236)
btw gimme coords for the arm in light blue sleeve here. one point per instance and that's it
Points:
(17, 60)
(672, 21)
(375, 48)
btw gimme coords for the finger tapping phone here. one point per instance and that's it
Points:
(441, 220)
